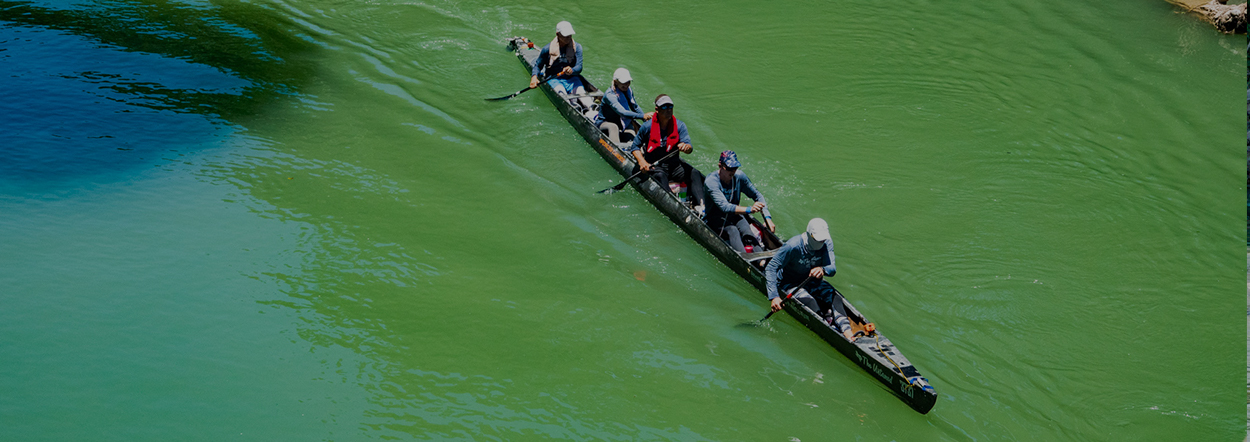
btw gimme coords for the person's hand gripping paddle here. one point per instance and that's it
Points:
(783, 300)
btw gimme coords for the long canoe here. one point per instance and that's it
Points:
(874, 352)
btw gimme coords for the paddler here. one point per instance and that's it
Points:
(618, 110)
(660, 135)
(808, 257)
(562, 60)
(724, 214)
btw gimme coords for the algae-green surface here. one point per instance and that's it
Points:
(277, 220)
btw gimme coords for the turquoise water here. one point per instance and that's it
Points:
(273, 220)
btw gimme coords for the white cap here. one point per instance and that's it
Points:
(663, 101)
(817, 230)
(564, 28)
(621, 75)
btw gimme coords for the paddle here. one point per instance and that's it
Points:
(522, 91)
(618, 187)
(787, 298)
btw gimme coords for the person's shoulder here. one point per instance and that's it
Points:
(794, 241)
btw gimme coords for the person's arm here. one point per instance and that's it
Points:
(543, 56)
(633, 105)
(749, 189)
(635, 148)
(683, 138)
(644, 132)
(772, 271)
(682, 134)
(622, 110)
(831, 268)
(577, 68)
(712, 187)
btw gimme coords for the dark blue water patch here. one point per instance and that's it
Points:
(97, 91)
(74, 107)
(251, 41)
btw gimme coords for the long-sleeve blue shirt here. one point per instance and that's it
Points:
(617, 106)
(644, 134)
(726, 199)
(793, 262)
(544, 58)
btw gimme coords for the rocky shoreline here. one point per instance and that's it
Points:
(1229, 19)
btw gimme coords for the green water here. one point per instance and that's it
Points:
(299, 221)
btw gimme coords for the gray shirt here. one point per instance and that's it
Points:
(726, 199)
(793, 262)
(573, 60)
(619, 106)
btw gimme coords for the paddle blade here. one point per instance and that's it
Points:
(501, 98)
(614, 189)
(756, 324)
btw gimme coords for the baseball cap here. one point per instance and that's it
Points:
(818, 229)
(660, 102)
(730, 159)
(622, 75)
(564, 28)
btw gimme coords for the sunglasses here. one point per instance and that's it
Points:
(665, 107)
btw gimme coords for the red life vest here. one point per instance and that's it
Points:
(654, 140)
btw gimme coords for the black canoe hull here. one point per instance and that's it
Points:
(884, 364)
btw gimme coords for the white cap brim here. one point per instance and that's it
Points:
(663, 101)
(565, 28)
(622, 75)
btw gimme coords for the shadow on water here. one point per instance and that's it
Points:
(98, 91)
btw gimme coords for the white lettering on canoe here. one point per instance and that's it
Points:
(906, 388)
(903, 386)
(872, 366)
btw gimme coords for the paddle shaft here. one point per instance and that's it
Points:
(522, 91)
(788, 296)
(640, 172)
